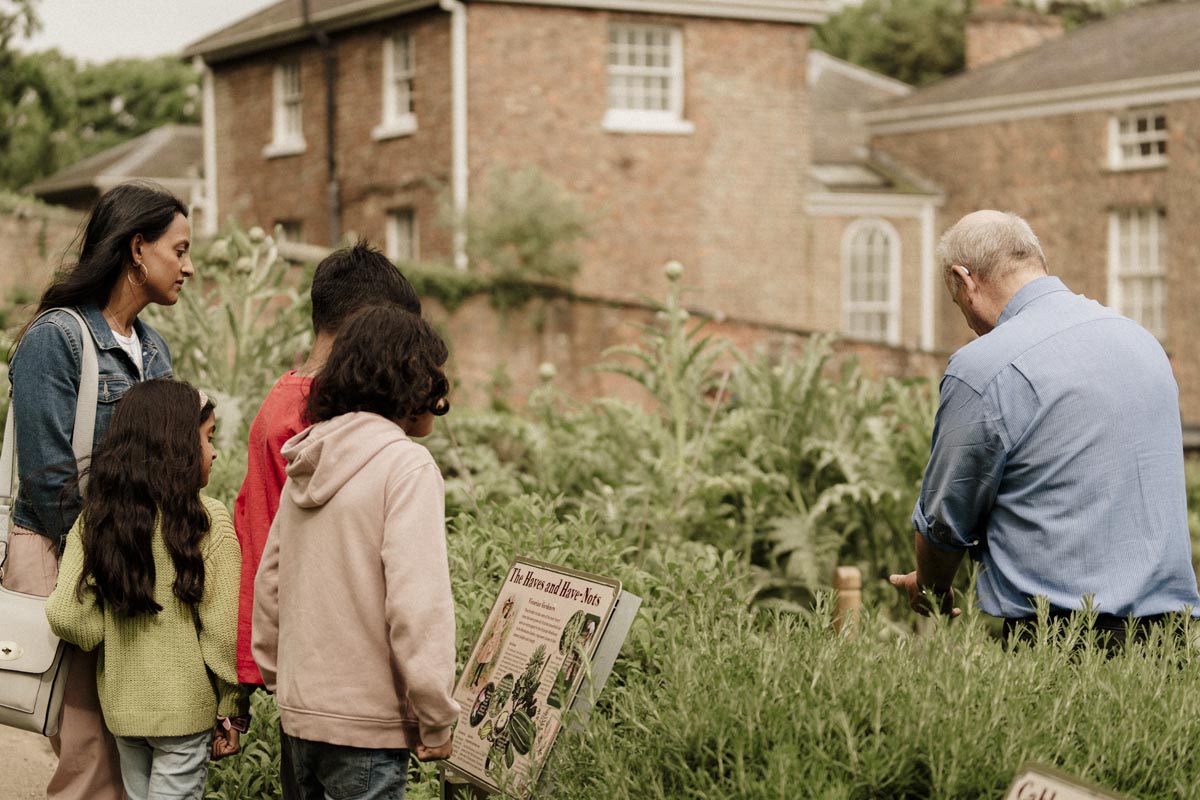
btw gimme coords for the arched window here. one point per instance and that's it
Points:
(871, 281)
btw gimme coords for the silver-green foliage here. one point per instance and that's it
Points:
(790, 464)
(525, 224)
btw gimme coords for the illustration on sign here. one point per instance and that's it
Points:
(525, 670)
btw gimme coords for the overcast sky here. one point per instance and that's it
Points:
(99, 30)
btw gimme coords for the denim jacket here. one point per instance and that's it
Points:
(44, 373)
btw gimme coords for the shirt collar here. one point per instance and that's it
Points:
(95, 320)
(102, 333)
(1028, 293)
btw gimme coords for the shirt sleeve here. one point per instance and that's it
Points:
(73, 616)
(419, 603)
(45, 390)
(264, 630)
(966, 463)
(218, 610)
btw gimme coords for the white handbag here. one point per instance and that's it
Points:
(33, 661)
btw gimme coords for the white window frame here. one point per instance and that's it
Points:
(287, 96)
(891, 304)
(1128, 278)
(1120, 140)
(398, 121)
(398, 218)
(639, 120)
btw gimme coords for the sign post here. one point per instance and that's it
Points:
(550, 631)
(1039, 782)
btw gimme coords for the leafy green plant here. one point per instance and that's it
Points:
(525, 225)
(724, 504)
(254, 772)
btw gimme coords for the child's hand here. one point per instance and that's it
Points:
(225, 742)
(434, 753)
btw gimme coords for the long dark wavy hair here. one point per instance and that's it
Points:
(147, 466)
(122, 212)
(384, 360)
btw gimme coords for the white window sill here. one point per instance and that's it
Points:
(634, 122)
(281, 149)
(392, 129)
(1134, 166)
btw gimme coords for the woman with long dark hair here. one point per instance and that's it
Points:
(151, 572)
(135, 251)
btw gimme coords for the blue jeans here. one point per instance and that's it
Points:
(165, 767)
(337, 772)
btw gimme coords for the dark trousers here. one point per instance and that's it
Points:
(1111, 631)
(346, 773)
(287, 775)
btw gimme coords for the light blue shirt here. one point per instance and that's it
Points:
(1057, 461)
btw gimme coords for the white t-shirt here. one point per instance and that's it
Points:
(132, 345)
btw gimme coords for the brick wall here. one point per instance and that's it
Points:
(34, 242)
(572, 334)
(727, 200)
(1053, 172)
(824, 276)
(375, 176)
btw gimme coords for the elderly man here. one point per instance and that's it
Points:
(1057, 457)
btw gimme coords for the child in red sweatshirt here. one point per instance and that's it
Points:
(346, 281)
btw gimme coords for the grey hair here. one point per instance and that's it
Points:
(989, 243)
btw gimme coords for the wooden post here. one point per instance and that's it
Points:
(847, 581)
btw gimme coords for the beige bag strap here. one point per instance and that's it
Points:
(81, 438)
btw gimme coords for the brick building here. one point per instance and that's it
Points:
(682, 126)
(1094, 137)
(703, 131)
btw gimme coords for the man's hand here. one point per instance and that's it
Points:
(225, 743)
(435, 753)
(918, 599)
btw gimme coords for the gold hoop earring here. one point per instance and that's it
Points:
(145, 275)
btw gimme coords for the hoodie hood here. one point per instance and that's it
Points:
(323, 458)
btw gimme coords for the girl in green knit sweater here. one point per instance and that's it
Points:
(150, 575)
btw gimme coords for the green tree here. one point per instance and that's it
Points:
(31, 106)
(54, 111)
(18, 18)
(35, 112)
(915, 41)
(127, 97)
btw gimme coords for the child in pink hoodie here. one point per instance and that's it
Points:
(353, 625)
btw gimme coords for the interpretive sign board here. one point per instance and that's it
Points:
(525, 669)
(1038, 782)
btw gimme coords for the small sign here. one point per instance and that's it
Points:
(1037, 782)
(526, 667)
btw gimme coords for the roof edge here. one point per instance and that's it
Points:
(869, 204)
(217, 47)
(1050, 102)
(819, 60)
(345, 16)
(804, 12)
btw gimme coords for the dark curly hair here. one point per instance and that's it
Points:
(148, 464)
(385, 360)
